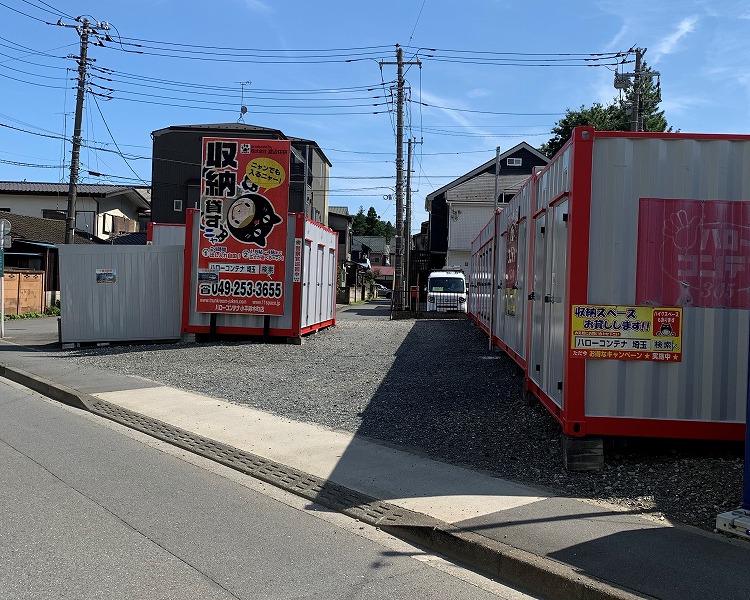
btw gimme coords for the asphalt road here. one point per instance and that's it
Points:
(90, 509)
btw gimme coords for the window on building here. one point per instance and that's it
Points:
(85, 221)
(58, 215)
(515, 162)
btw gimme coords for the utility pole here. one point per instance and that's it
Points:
(635, 120)
(407, 224)
(70, 221)
(622, 82)
(398, 277)
(84, 30)
(399, 271)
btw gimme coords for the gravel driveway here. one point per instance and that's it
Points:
(433, 387)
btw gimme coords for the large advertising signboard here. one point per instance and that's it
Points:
(693, 253)
(626, 333)
(243, 226)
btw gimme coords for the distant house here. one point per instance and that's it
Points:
(340, 221)
(380, 254)
(34, 248)
(101, 210)
(460, 209)
(376, 248)
(176, 169)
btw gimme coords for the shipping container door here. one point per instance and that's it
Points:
(332, 268)
(536, 295)
(498, 287)
(308, 288)
(518, 322)
(320, 295)
(554, 320)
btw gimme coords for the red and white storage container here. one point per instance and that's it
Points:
(623, 284)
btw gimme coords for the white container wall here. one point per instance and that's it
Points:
(120, 293)
(621, 237)
(319, 275)
(710, 383)
(166, 234)
(509, 325)
(480, 276)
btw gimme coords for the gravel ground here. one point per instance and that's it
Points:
(432, 387)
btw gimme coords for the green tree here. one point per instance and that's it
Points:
(599, 116)
(359, 225)
(611, 117)
(372, 224)
(390, 231)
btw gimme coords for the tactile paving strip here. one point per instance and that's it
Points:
(331, 495)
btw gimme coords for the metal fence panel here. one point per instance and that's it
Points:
(120, 293)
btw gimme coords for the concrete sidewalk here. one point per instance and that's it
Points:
(554, 547)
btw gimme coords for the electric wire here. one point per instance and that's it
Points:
(49, 9)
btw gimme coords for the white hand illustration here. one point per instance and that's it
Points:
(682, 230)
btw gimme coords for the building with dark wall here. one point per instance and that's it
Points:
(478, 186)
(176, 169)
(340, 221)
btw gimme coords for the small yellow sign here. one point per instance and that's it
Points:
(626, 333)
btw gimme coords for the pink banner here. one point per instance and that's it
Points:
(693, 253)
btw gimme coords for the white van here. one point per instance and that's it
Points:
(446, 291)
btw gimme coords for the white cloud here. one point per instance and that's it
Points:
(258, 5)
(668, 44)
(478, 93)
(614, 44)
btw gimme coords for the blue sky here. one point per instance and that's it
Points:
(504, 72)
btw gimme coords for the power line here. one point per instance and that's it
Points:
(25, 14)
(113, 138)
(49, 8)
(24, 164)
(411, 37)
(54, 87)
(490, 112)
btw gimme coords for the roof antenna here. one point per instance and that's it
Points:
(243, 108)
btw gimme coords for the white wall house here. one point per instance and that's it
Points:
(101, 210)
(465, 221)
(460, 209)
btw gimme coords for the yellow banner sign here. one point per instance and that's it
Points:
(626, 333)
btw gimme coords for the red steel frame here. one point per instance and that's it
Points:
(572, 416)
(294, 331)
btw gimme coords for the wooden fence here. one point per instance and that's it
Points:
(24, 292)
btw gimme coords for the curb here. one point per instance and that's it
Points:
(535, 574)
